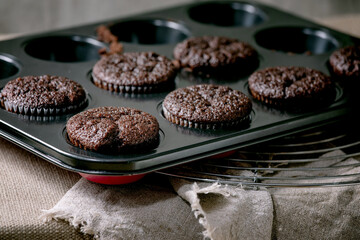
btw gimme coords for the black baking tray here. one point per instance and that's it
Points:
(281, 39)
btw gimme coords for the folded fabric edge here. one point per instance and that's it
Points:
(192, 197)
(189, 192)
(73, 220)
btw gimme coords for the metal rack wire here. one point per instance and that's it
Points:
(326, 156)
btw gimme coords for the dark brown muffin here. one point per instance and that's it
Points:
(207, 106)
(290, 85)
(138, 72)
(113, 130)
(42, 95)
(345, 62)
(211, 54)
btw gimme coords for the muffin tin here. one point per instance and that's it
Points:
(281, 39)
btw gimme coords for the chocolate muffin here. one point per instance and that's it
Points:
(113, 130)
(207, 106)
(213, 54)
(137, 72)
(345, 63)
(42, 95)
(286, 86)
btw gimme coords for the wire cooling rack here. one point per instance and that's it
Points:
(326, 156)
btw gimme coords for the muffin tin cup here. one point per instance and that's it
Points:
(8, 66)
(228, 14)
(150, 31)
(73, 52)
(296, 40)
(64, 48)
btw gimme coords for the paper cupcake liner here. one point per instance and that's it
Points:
(35, 111)
(266, 100)
(38, 118)
(130, 88)
(199, 125)
(316, 100)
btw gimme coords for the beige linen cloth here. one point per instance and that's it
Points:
(29, 184)
(151, 209)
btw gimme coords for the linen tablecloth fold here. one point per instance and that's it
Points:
(228, 212)
(148, 209)
(151, 209)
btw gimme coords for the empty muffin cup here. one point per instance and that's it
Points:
(227, 14)
(150, 31)
(64, 48)
(8, 66)
(296, 40)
